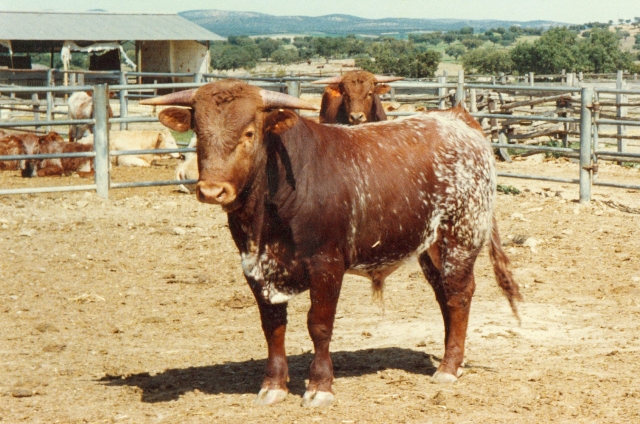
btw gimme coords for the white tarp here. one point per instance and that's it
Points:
(69, 46)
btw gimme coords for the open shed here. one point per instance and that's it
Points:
(163, 42)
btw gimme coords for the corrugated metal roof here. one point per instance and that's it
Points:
(99, 26)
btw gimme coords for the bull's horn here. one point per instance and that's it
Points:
(179, 98)
(382, 78)
(275, 100)
(331, 80)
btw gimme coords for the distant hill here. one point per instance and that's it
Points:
(226, 23)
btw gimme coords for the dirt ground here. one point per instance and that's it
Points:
(135, 310)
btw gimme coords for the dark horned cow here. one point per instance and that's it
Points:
(308, 202)
(354, 98)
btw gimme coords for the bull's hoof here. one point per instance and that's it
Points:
(441, 377)
(315, 399)
(269, 397)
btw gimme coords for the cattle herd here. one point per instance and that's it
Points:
(309, 201)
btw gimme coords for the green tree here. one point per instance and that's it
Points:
(267, 46)
(487, 61)
(602, 53)
(471, 42)
(225, 56)
(285, 56)
(455, 50)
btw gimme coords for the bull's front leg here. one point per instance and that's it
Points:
(324, 293)
(274, 325)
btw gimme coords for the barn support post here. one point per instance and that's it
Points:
(586, 166)
(124, 101)
(49, 83)
(101, 140)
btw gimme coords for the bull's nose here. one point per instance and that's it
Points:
(357, 118)
(215, 193)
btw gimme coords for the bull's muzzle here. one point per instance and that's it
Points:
(215, 193)
(357, 118)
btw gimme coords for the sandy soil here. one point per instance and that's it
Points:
(135, 310)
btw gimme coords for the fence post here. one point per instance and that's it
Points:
(585, 144)
(50, 83)
(124, 101)
(293, 88)
(101, 140)
(460, 89)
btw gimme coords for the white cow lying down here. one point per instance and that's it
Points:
(138, 140)
(188, 170)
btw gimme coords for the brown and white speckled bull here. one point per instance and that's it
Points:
(308, 202)
(354, 98)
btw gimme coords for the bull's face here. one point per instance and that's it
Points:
(28, 167)
(358, 93)
(230, 119)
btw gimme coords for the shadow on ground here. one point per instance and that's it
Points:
(245, 377)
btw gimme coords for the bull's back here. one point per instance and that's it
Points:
(413, 176)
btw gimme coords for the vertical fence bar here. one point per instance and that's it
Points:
(35, 105)
(442, 92)
(49, 83)
(460, 89)
(473, 105)
(124, 101)
(101, 140)
(585, 144)
(596, 117)
(621, 112)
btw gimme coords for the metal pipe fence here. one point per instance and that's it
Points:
(588, 121)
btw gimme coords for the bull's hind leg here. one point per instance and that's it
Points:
(274, 325)
(451, 277)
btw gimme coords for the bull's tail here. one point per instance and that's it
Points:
(502, 270)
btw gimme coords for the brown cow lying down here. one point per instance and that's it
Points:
(10, 145)
(63, 166)
(139, 140)
(307, 203)
(15, 144)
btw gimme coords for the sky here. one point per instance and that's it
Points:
(565, 11)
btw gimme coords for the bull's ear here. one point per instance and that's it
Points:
(333, 90)
(176, 118)
(382, 89)
(279, 121)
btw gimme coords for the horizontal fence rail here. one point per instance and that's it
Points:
(583, 117)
